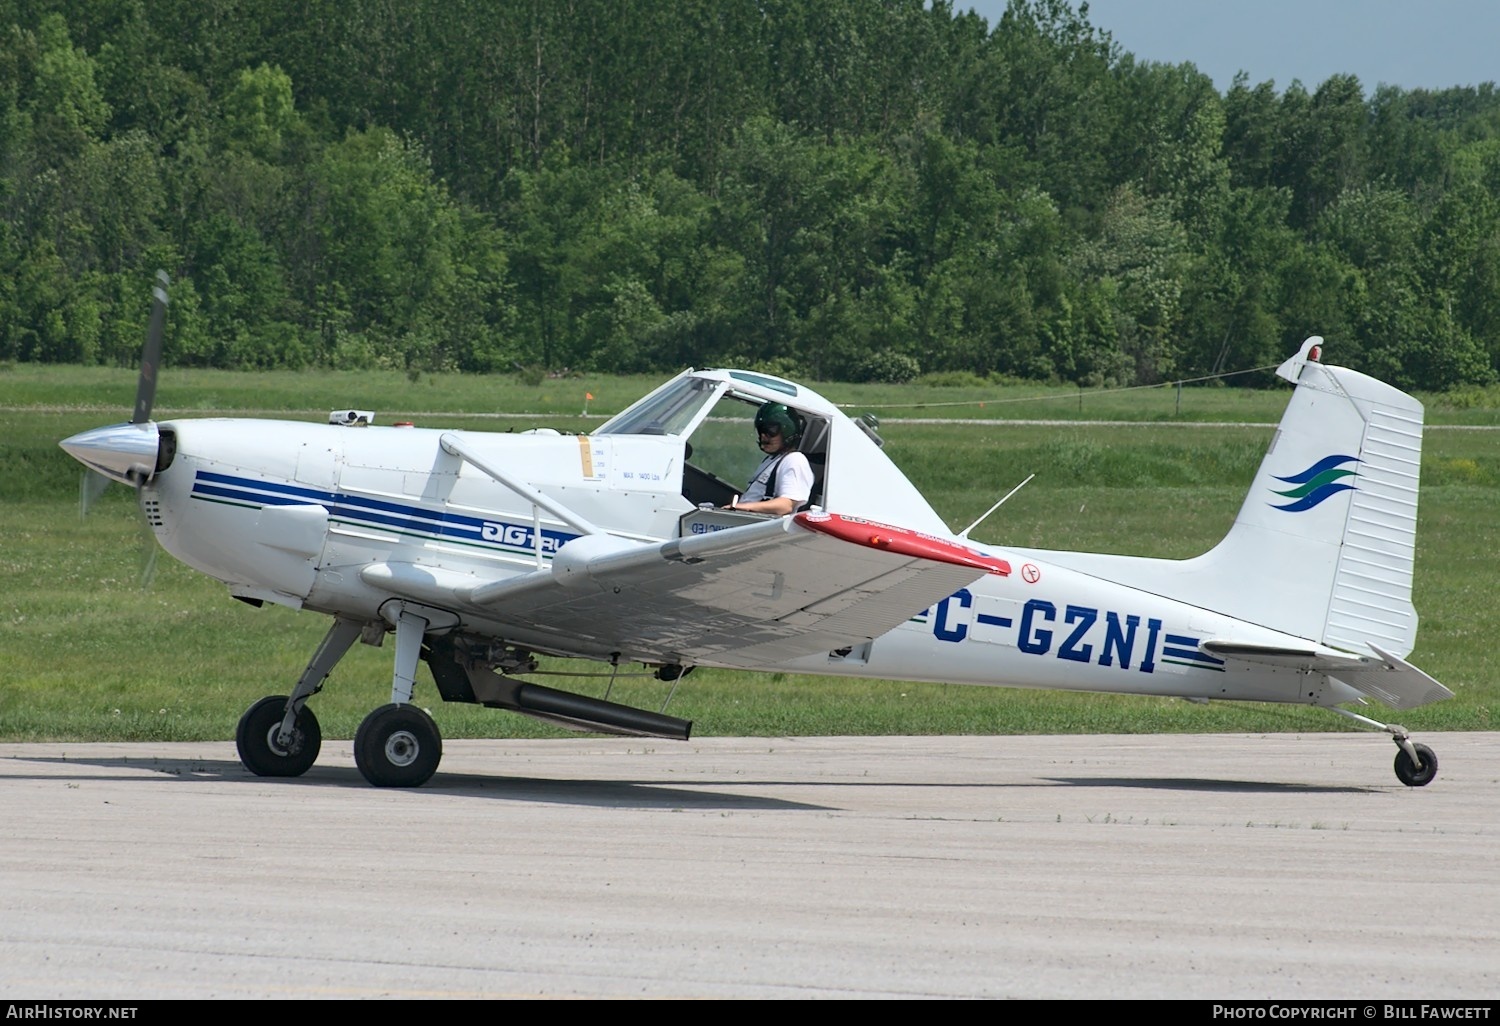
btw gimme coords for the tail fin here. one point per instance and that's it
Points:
(1323, 546)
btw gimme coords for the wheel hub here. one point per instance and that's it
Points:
(402, 748)
(273, 742)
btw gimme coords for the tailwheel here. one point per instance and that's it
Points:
(1409, 773)
(258, 739)
(397, 746)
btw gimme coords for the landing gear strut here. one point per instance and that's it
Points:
(398, 745)
(1416, 765)
(279, 736)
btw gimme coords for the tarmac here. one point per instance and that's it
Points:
(1200, 867)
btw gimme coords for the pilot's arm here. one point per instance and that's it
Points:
(779, 506)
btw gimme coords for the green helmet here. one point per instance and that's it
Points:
(776, 418)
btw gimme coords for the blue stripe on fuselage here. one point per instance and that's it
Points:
(358, 510)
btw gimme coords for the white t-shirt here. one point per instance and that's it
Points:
(793, 479)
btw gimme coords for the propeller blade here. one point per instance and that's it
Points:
(148, 562)
(145, 392)
(149, 548)
(91, 485)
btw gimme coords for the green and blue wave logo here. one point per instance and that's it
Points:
(1319, 482)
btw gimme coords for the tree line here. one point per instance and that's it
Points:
(834, 189)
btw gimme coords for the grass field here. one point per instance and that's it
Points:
(87, 654)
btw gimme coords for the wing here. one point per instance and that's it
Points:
(1384, 676)
(751, 596)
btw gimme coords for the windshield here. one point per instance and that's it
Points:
(669, 412)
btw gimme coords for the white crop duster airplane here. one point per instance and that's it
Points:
(482, 551)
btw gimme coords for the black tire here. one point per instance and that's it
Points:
(1409, 774)
(397, 746)
(255, 737)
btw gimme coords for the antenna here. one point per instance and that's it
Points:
(965, 532)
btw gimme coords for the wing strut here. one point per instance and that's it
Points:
(454, 445)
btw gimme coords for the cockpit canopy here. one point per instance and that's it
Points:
(713, 413)
(716, 416)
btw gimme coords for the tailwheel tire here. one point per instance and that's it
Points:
(257, 733)
(397, 746)
(1411, 774)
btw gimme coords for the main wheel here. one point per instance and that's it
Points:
(397, 746)
(1412, 775)
(255, 737)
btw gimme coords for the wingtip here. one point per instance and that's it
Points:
(901, 540)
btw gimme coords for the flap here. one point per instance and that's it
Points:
(747, 597)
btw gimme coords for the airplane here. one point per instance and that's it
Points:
(480, 553)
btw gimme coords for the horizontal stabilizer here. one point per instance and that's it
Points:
(1395, 682)
(1384, 676)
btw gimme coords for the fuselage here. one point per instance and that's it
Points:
(293, 513)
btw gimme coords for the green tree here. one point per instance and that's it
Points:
(1142, 253)
(1404, 337)
(389, 254)
(1233, 287)
(815, 225)
(67, 108)
(1459, 263)
(1252, 133)
(1045, 83)
(1323, 148)
(259, 113)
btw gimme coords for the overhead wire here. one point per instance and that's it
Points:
(1052, 398)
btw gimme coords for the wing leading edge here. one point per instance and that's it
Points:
(746, 597)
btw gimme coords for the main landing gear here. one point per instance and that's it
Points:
(397, 745)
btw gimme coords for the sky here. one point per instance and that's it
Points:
(1414, 44)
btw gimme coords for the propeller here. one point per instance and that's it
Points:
(127, 452)
(145, 389)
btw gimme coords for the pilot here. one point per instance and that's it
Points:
(784, 479)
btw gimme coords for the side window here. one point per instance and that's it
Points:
(723, 454)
